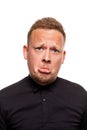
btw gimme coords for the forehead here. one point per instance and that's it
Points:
(46, 34)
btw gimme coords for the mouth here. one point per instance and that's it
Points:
(44, 70)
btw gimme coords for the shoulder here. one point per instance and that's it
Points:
(69, 84)
(71, 89)
(71, 92)
(12, 93)
(15, 87)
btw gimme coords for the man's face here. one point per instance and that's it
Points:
(44, 55)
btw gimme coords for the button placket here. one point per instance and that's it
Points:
(44, 108)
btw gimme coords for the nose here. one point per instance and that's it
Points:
(46, 56)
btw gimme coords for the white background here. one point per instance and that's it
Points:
(16, 17)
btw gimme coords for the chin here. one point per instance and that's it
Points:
(44, 81)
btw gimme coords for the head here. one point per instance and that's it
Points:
(44, 51)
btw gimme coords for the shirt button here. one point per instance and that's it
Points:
(44, 99)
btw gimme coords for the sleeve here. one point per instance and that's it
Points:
(84, 121)
(84, 117)
(2, 118)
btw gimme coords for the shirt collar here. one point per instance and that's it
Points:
(37, 88)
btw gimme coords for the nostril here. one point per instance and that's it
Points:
(46, 60)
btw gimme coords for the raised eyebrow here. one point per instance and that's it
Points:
(39, 45)
(55, 48)
(36, 46)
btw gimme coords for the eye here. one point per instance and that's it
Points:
(38, 48)
(56, 51)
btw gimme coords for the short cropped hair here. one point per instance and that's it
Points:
(46, 23)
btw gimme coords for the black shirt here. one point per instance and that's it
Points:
(26, 105)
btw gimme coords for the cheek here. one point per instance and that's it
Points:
(33, 61)
(60, 59)
(57, 60)
(57, 63)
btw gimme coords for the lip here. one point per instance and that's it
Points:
(45, 70)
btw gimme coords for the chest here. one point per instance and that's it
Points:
(43, 110)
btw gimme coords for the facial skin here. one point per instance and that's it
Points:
(44, 55)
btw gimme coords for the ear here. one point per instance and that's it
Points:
(25, 51)
(63, 58)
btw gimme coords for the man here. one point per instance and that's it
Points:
(42, 100)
